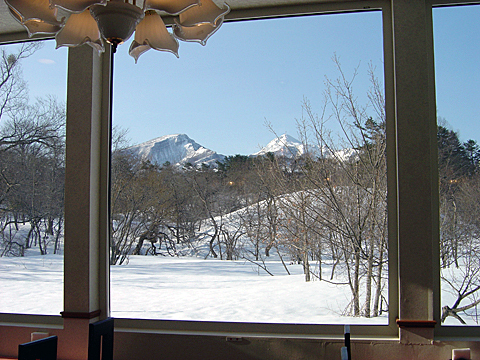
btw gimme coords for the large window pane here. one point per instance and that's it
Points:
(457, 55)
(256, 188)
(32, 150)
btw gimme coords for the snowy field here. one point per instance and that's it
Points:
(188, 288)
(197, 289)
(184, 289)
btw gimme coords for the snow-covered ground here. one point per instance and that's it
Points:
(183, 289)
(190, 288)
(215, 290)
(31, 284)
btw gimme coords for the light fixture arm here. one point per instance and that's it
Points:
(92, 22)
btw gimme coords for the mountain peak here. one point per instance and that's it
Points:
(284, 145)
(288, 138)
(177, 149)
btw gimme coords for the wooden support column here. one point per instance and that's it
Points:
(417, 168)
(86, 211)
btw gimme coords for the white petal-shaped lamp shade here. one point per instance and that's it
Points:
(117, 20)
(36, 26)
(77, 6)
(196, 33)
(206, 12)
(151, 33)
(39, 10)
(80, 29)
(173, 7)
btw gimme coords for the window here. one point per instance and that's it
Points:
(411, 229)
(457, 77)
(269, 238)
(32, 166)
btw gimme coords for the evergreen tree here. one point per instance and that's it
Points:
(455, 160)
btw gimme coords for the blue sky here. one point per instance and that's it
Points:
(248, 73)
(457, 68)
(222, 94)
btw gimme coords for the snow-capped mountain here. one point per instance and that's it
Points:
(176, 149)
(179, 149)
(285, 146)
(289, 147)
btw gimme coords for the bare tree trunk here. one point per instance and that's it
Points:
(378, 290)
(283, 262)
(368, 285)
(306, 263)
(306, 267)
(57, 236)
(356, 284)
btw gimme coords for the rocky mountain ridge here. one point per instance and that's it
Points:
(180, 149)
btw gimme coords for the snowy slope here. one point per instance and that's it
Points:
(177, 149)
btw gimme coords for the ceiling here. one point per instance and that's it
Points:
(7, 23)
(11, 30)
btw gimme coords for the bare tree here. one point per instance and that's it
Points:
(13, 89)
(32, 166)
(461, 270)
(337, 190)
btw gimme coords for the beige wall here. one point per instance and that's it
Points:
(148, 346)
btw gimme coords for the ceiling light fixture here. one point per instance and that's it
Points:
(77, 22)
